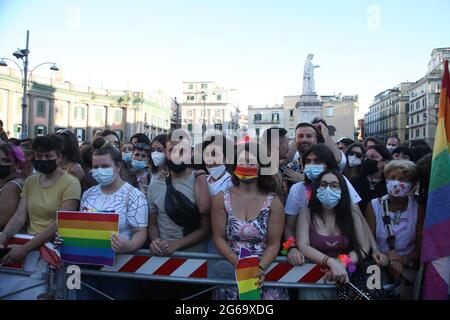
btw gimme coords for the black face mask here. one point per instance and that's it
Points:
(45, 166)
(369, 166)
(177, 168)
(5, 171)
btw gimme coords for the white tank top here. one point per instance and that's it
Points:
(404, 231)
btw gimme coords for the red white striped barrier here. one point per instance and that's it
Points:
(161, 266)
(47, 251)
(198, 268)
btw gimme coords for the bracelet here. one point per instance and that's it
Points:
(259, 266)
(287, 245)
(325, 261)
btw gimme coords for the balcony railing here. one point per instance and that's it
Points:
(266, 121)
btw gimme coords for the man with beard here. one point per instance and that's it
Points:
(307, 135)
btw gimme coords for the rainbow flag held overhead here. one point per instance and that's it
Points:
(246, 269)
(436, 240)
(87, 237)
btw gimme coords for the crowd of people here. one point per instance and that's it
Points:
(365, 200)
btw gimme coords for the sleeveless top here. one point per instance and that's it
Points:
(251, 234)
(404, 231)
(329, 245)
(19, 184)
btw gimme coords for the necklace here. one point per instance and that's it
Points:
(372, 183)
(398, 213)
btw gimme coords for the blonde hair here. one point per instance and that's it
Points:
(405, 167)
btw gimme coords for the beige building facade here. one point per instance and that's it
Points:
(56, 104)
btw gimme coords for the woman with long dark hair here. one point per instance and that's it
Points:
(71, 159)
(249, 215)
(330, 226)
(315, 161)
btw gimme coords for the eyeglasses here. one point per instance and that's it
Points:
(359, 155)
(333, 185)
(142, 146)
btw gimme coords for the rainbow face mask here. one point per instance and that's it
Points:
(246, 174)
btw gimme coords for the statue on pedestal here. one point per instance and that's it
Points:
(308, 76)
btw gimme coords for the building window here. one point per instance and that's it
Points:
(118, 116)
(218, 126)
(275, 118)
(424, 132)
(80, 113)
(291, 113)
(417, 133)
(257, 117)
(219, 97)
(189, 113)
(40, 109)
(412, 120)
(218, 113)
(81, 134)
(192, 98)
(330, 112)
(191, 86)
(204, 86)
(120, 134)
(40, 131)
(257, 132)
(418, 118)
(99, 116)
(189, 127)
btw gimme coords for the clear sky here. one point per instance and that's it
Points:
(256, 46)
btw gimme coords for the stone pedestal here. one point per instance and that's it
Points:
(309, 107)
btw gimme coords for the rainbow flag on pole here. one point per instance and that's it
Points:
(246, 269)
(436, 231)
(87, 237)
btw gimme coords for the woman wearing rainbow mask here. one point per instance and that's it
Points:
(249, 215)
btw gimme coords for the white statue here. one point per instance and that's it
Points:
(308, 76)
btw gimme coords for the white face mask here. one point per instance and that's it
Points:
(158, 158)
(353, 161)
(216, 172)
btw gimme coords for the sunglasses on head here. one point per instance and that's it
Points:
(359, 155)
(142, 146)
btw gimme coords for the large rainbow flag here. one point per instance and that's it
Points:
(436, 231)
(246, 269)
(87, 237)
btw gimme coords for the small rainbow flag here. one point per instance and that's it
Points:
(246, 269)
(87, 237)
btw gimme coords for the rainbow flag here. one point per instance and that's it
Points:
(436, 240)
(87, 237)
(246, 269)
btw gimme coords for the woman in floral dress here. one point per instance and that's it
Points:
(249, 215)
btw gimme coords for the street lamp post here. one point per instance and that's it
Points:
(22, 54)
(204, 95)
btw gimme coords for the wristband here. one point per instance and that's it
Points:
(347, 262)
(259, 266)
(287, 245)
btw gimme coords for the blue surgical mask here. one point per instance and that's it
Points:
(138, 165)
(104, 176)
(329, 198)
(126, 156)
(313, 171)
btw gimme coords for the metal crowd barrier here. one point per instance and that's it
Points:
(191, 268)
